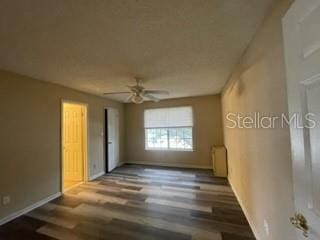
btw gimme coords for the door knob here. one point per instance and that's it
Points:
(300, 222)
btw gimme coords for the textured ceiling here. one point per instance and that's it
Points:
(188, 47)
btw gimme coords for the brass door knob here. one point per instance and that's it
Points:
(300, 222)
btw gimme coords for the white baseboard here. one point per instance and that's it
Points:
(28, 209)
(253, 227)
(180, 165)
(96, 176)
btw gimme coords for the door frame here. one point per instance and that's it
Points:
(85, 141)
(106, 140)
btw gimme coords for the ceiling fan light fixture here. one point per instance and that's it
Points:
(138, 94)
(137, 99)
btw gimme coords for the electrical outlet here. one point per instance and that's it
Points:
(266, 227)
(6, 200)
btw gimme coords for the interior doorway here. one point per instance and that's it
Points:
(111, 138)
(74, 144)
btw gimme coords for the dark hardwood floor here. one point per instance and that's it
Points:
(140, 203)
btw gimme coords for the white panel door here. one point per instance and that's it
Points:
(302, 49)
(113, 138)
(73, 142)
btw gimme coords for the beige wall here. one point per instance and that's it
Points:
(207, 132)
(259, 160)
(30, 137)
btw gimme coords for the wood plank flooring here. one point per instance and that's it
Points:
(139, 203)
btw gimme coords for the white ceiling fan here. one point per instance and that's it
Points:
(138, 94)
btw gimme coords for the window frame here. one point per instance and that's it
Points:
(168, 140)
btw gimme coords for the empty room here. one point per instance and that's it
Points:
(159, 119)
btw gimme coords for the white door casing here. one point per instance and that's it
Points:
(301, 29)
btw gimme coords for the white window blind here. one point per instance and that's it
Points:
(168, 117)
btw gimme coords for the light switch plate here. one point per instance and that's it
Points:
(266, 227)
(6, 200)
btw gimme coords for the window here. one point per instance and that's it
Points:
(169, 129)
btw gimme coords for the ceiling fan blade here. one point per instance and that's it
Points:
(129, 99)
(162, 92)
(109, 93)
(150, 97)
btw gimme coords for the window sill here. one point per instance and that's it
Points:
(169, 150)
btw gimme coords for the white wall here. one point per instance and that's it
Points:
(30, 137)
(207, 132)
(259, 159)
